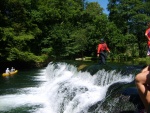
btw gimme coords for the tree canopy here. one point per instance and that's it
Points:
(36, 30)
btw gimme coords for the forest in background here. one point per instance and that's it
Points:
(41, 30)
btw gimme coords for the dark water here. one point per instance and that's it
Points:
(20, 80)
(60, 88)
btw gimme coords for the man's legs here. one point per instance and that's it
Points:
(103, 57)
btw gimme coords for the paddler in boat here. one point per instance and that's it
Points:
(12, 69)
(7, 70)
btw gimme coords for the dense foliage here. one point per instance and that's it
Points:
(37, 30)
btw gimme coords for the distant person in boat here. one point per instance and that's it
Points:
(102, 51)
(142, 81)
(147, 34)
(7, 70)
(12, 69)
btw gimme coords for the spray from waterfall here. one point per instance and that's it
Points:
(64, 90)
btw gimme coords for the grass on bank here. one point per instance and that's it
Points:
(87, 61)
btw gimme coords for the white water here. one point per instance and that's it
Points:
(63, 90)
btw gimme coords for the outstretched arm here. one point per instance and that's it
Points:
(98, 50)
(107, 48)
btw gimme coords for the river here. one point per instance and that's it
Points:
(61, 88)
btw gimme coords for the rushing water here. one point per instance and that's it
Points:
(61, 88)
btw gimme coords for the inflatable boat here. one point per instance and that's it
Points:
(11, 73)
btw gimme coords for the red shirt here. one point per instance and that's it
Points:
(102, 47)
(147, 33)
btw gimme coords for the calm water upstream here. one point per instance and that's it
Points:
(60, 88)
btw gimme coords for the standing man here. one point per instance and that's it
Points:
(102, 51)
(147, 34)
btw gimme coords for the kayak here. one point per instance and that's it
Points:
(11, 73)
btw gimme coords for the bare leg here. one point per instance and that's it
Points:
(142, 81)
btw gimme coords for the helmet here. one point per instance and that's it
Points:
(102, 40)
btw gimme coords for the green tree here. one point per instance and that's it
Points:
(17, 31)
(130, 17)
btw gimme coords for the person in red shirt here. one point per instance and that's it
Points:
(102, 51)
(147, 34)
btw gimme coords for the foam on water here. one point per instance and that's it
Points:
(64, 89)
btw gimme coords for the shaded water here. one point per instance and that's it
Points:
(60, 88)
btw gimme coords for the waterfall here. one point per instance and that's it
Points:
(64, 89)
(70, 91)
